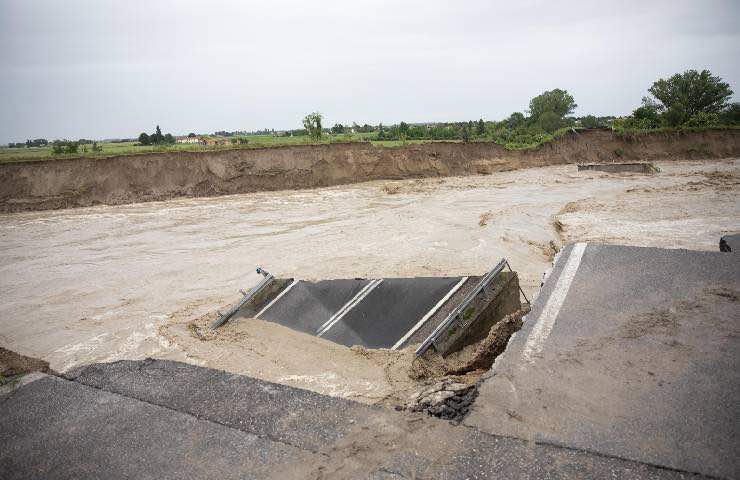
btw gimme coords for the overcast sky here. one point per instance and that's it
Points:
(99, 69)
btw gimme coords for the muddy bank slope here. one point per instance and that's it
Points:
(125, 179)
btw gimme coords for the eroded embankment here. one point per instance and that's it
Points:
(117, 180)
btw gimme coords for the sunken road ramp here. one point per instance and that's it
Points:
(372, 313)
(162, 419)
(445, 313)
(730, 243)
(81, 182)
(629, 352)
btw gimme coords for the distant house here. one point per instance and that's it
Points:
(187, 140)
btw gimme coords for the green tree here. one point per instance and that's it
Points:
(157, 137)
(515, 120)
(589, 121)
(549, 121)
(465, 133)
(558, 101)
(688, 93)
(144, 139)
(337, 128)
(480, 128)
(312, 124)
(169, 139)
(703, 119)
(403, 128)
(731, 114)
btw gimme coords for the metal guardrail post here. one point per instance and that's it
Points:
(246, 296)
(462, 306)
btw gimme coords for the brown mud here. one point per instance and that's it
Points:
(12, 363)
(80, 182)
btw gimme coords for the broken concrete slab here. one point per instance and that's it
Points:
(629, 352)
(626, 167)
(730, 243)
(156, 419)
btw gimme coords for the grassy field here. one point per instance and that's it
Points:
(9, 155)
(126, 148)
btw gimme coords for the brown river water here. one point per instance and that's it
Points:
(106, 283)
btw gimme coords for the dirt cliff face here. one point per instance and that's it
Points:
(124, 179)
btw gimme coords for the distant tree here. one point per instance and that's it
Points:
(703, 119)
(558, 101)
(648, 114)
(157, 137)
(480, 128)
(169, 139)
(688, 93)
(403, 129)
(96, 147)
(337, 128)
(191, 135)
(144, 139)
(515, 120)
(312, 123)
(590, 121)
(731, 114)
(61, 147)
(549, 121)
(465, 132)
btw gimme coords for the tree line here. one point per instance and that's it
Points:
(688, 99)
(156, 138)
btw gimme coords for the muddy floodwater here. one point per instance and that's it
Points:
(107, 283)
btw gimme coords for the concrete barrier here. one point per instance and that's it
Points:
(632, 167)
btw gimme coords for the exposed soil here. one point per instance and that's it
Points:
(127, 179)
(480, 356)
(12, 363)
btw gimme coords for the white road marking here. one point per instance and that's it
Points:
(546, 321)
(429, 314)
(349, 306)
(280, 295)
(343, 310)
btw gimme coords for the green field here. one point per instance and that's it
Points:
(8, 155)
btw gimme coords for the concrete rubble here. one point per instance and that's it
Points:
(447, 399)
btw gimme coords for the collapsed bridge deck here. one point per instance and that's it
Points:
(383, 312)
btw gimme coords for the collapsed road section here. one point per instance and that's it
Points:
(440, 312)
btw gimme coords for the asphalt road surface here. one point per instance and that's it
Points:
(160, 419)
(630, 352)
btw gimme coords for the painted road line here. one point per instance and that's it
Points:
(345, 307)
(546, 320)
(280, 295)
(349, 306)
(429, 314)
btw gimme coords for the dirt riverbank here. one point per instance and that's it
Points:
(81, 182)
